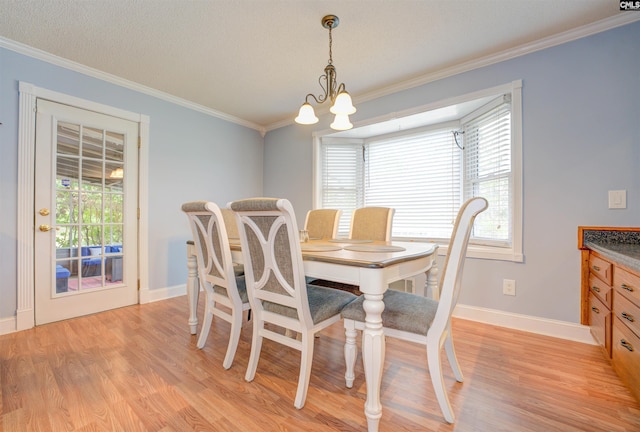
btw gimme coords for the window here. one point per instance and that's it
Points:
(427, 172)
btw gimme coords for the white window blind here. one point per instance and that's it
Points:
(342, 180)
(488, 173)
(420, 176)
(426, 174)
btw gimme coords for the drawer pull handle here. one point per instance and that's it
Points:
(627, 316)
(626, 344)
(595, 309)
(627, 287)
(596, 268)
(596, 289)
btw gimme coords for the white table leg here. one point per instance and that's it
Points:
(193, 289)
(432, 281)
(373, 347)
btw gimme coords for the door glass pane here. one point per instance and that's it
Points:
(89, 208)
(67, 208)
(68, 138)
(91, 203)
(113, 208)
(91, 174)
(92, 143)
(114, 147)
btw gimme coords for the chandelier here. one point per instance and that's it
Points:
(342, 106)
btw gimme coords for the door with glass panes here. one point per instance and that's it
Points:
(85, 212)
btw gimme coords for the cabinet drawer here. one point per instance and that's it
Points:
(600, 323)
(601, 268)
(626, 356)
(627, 284)
(628, 313)
(601, 290)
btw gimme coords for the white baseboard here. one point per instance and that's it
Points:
(7, 325)
(149, 296)
(531, 324)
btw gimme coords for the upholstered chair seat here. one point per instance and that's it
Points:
(402, 311)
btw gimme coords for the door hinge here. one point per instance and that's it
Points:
(138, 212)
(138, 284)
(139, 142)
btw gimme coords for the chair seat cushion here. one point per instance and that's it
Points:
(92, 261)
(62, 272)
(402, 311)
(324, 303)
(241, 283)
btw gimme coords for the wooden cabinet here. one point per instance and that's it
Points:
(600, 268)
(600, 323)
(600, 300)
(610, 298)
(626, 328)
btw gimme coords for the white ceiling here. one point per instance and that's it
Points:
(255, 60)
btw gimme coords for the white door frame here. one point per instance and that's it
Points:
(25, 314)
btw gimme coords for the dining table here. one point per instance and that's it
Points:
(372, 266)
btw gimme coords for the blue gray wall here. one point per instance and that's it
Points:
(581, 138)
(191, 156)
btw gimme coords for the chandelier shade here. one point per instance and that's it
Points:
(341, 122)
(342, 106)
(306, 115)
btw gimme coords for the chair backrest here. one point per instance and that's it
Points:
(212, 246)
(273, 264)
(322, 223)
(451, 279)
(230, 223)
(372, 223)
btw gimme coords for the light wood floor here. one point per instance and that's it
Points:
(138, 369)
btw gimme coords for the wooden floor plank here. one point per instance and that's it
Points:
(138, 369)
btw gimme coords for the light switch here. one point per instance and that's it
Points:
(618, 199)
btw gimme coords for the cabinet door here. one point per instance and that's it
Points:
(600, 323)
(626, 356)
(628, 313)
(627, 284)
(600, 289)
(601, 268)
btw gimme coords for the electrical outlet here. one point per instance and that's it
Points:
(509, 287)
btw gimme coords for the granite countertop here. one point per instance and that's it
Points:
(627, 254)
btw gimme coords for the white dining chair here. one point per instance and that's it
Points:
(372, 223)
(230, 223)
(225, 291)
(322, 223)
(276, 285)
(419, 319)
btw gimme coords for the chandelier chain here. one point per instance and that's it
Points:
(330, 45)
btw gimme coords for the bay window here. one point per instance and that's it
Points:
(428, 171)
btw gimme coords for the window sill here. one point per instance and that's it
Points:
(479, 251)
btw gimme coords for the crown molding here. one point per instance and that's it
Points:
(619, 20)
(528, 48)
(113, 79)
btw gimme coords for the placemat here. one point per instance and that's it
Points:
(318, 247)
(374, 248)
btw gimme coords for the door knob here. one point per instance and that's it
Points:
(45, 228)
(44, 212)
